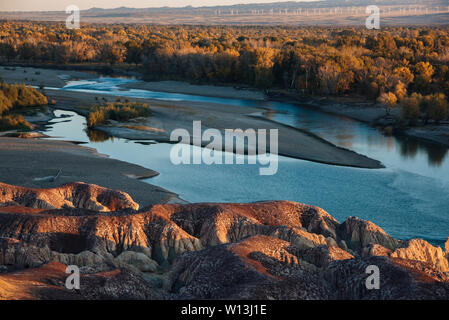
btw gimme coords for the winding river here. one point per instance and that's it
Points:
(409, 198)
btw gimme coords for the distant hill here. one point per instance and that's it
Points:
(330, 12)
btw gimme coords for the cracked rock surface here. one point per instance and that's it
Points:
(262, 250)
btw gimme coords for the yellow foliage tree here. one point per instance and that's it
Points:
(400, 90)
(388, 99)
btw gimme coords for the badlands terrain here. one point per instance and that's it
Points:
(264, 250)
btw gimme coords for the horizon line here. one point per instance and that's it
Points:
(169, 7)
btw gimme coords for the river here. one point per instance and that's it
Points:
(408, 199)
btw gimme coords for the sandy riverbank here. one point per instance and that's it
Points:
(361, 111)
(357, 109)
(202, 90)
(433, 133)
(32, 163)
(42, 77)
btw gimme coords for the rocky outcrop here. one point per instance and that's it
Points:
(263, 250)
(48, 282)
(18, 255)
(375, 249)
(72, 195)
(359, 234)
(242, 271)
(420, 250)
(446, 248)
(138, 260)
(399, 280)
(323, 255)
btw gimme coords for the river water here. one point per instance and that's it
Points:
(409, 198)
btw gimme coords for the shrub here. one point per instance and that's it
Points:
(96, 117)
(5, 103)
(14, 121)
(400, 90)
(30, 97)
(117, 111)
(434, 106)
(17, 96)
(10, 91)
(388, 99)
(410, 106)
(437, 109)
(21, 95)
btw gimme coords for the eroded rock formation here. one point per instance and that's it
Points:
(71, 195)
(263, 250)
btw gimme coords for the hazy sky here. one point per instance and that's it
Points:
(51, 5)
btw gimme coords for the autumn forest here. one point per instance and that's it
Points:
(396, 66)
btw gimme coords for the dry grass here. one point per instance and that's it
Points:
(117, 111)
